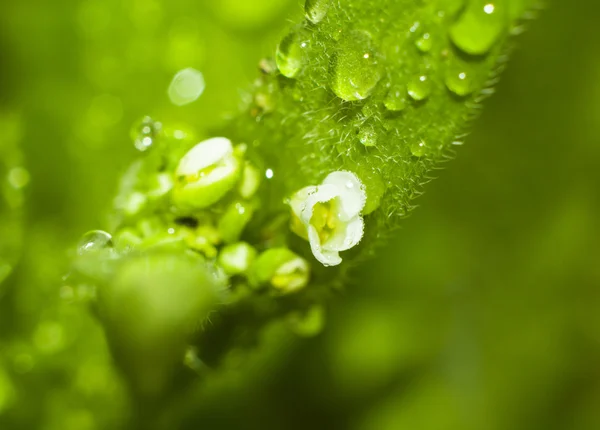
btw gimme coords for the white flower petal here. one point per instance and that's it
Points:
(325, 257)
(298, 200)
(347, 196)
(203, 155)
(321, 194)
(352, 194)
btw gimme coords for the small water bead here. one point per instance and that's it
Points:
(355, 69)
(292, 53)
(419, 88)
(186, 87)
(479, 27)
(316, 10)
(424, 43)
(145, 133)
(94, 240)
(368, 135)
(269, 173)
(418, 149)
(459, 82)
(395, 100)
(370, 110)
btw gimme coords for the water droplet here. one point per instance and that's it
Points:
(355, 69)
(370, 110)
(419, 88)
(269, 173)
(424, 43)
(316, 10)
(459, 82)
(145, 133)
(18, 177)
(367, 135)
(292, 52)
(93, 241)
(479, 27)
(187, 85)
(395, 100)
(418, 149)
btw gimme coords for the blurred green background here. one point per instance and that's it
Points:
(482, 313)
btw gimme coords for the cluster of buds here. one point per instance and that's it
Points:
(207, 201)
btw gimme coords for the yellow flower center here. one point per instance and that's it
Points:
(324, 219)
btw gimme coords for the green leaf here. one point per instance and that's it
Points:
(385, 89)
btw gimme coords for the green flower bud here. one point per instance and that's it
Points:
(126, 238)
(203, 240)
(308, 323)
(234, 220)
(161, 184)
(250, 182)
(149, 307)
(206, 173)
(283, 270)
(236, 259)
(134, 203)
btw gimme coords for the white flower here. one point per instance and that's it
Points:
(329, 215)
(206, 173)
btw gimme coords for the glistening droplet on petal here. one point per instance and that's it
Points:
(355, 70)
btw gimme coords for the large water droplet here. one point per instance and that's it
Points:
(479, 27)
(459, 82)
(395, 100)
(355, 69)
(145, 132)
(419, 88)
(292, 53)
(187, 85)
(316, 10)
(94, 240)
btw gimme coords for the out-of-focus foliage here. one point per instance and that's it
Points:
(482, 313)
